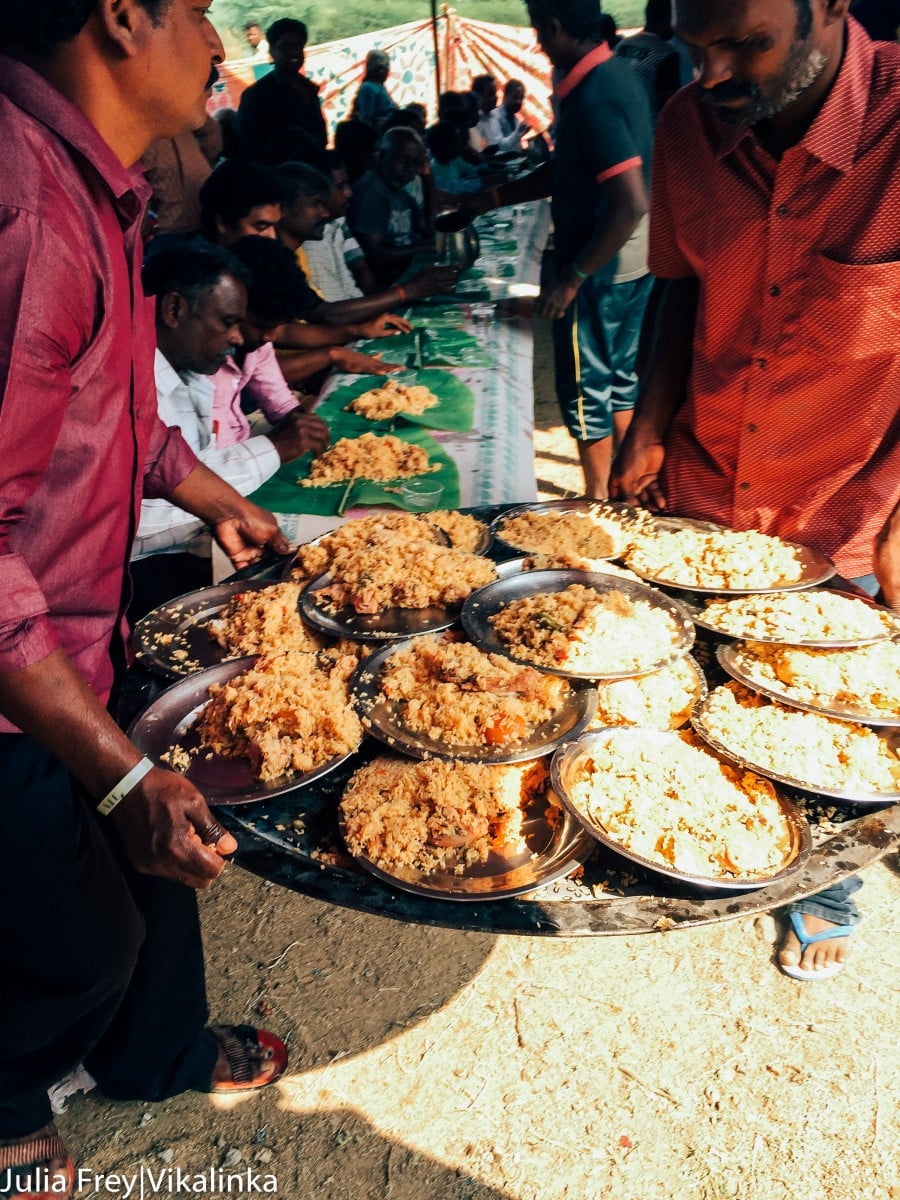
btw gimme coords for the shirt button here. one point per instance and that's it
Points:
(752, 428)
(774, 290)
(782, 210)
(762, 363)
(744, 486)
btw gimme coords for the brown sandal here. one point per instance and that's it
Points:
(26, 1164)
(247, 1050)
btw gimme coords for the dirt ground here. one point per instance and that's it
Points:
(436, 1065)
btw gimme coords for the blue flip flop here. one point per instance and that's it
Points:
(809, 939)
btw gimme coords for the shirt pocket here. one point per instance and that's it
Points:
(851, 311)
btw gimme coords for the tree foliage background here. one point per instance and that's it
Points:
(329, 20)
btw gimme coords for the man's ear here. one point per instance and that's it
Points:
(834, 10)
(124, 22)
(172, 310)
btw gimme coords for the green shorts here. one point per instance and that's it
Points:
(595, 346)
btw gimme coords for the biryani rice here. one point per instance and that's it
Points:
(723, 558)
(264, 621)
(370, 456)
(865, 678)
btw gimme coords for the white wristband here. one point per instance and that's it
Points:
(124, 786)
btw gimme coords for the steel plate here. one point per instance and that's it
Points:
(627, 513)
(179, 628)
(815, 568)
(741, 760)
(696, 611)
(170, 720)
(552, 854)
(382, 718)
(727, 656)
(487, 601)
(561, 769)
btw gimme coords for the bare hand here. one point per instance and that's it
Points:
(635, 472)
(247, 532)
(355, 363)
(555, 300)
(384, 326)
(298, 432)
(432, 281)
(169, 831)
(887, 560)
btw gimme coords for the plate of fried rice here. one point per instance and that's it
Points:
(816, 617)
(398, 587)
(663, 699)
(180, 637)
(667, 802)
(802, 749)
(253, 728)
(460, 831)
(442, 697)
(587, 530)
(701, 556)
(580, 624)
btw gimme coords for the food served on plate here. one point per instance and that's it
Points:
(288, 714)
(464, 531)
(666, 798)
(815, 615)
(866, 678)
(585, 630)
(591, 533)
(815, 750)
(401, 572)
(661, 700)
(568, 560)
(715, 558)
(370, 456)
(391, 399)
(268, 621)
(438, 816)
(450, 691)
(315, 558)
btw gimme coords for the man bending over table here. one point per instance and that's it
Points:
(100, 850)
(775, 222)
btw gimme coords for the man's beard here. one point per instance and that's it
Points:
(803, 68)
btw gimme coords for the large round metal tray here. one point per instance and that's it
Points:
(170, 720)
(382, 718)
(683, 714)
(739, 759)
(815, 567)
(388, 625)
(173, 639)
(562, 765)
(554, 851)
(489, 600)
(628, 516)
(727, 656)
(697, 610)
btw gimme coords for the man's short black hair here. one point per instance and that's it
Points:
(41, 26)
(481, 83)
(301, 179)
(286, 25)
(252, 25)
(278, 291)
(234, 187)
(580, 19)
(190, 266)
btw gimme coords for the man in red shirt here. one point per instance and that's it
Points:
(102, 959)
(770, 401)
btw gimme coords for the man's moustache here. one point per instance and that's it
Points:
(213, 76)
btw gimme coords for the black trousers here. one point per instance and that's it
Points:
(98, 964)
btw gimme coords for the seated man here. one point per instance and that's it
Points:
(240, 198)
(484, 89)
(201, 302)
(506, 128)
(383, 215)
(311, 199)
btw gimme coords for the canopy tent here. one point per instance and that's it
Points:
(464, 49)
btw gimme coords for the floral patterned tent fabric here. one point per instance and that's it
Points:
(467, 48)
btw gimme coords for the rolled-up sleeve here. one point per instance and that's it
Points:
(169, 461)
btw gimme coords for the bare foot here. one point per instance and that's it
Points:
(819, 955)
(42, 1173)
(259, 1059)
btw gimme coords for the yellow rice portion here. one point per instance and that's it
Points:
(464, 531)
(261, 621)
(437, 816)
(592, 533)
(370, 456)
(724, 558)
(866, 677)
(392, 398)
(605, 633)
(670, 800)
(289, 713)
(804, 616)
(455, 693)
(814, 749)
(567, 560)
(316, 557)
(399, 572)
(661, 700)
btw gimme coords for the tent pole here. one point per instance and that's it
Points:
(437, 48)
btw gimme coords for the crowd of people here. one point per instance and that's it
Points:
(724, 294)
